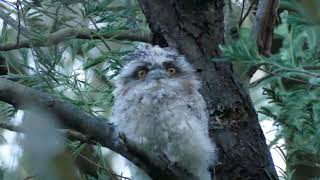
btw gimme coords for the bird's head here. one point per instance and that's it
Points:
(153, 70)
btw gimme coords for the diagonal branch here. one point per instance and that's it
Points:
(75, 33)
(266, 17)
(13, 23)
(98, 129)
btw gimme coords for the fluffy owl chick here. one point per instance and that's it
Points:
(158, 105)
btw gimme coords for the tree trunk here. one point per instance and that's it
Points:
(196, 28)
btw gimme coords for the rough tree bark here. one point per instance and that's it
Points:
(196, 29)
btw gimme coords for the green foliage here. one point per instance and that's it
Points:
(291, 83)
(79, 71)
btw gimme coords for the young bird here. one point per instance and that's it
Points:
(158, 106)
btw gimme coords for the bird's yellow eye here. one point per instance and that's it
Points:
(171, 71)
(142, 73)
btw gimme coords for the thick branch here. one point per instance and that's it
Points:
(96, 128)
(73, 33)
(266, 17)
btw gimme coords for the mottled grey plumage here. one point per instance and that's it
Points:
(162, 110)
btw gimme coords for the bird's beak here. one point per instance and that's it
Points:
(156, 75)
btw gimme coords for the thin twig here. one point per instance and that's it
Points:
(246, 14)
(311, 67)
(19, 21)
(8, 3)
(11, 127)
(50, 15)
(257, 82)
(71, 134)
(242, 9)
(98, 29)
(101, 167)
(9, 20)
(302, 71)
(289, 78)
